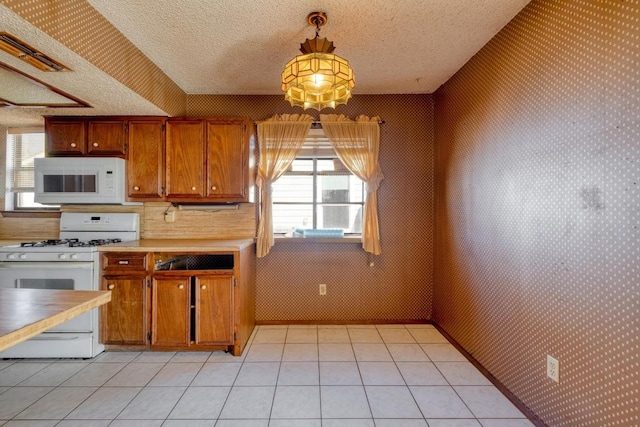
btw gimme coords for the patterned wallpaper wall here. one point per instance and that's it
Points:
(399, 285)
(538, 209)
(77, 25)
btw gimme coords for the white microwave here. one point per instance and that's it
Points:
(80, 180)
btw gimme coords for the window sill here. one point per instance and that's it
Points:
(30, 214)
(346, 239)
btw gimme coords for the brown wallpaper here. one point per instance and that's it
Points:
(537, 209)
(399, 285)
(77, 25)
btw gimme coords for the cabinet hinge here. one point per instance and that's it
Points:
(235, 336)
(148, 283)
(149, 336)
(235, 282)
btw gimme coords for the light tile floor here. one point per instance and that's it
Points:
(289, 376)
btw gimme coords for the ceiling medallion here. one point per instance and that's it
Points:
(317, 79)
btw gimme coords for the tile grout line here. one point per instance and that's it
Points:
(402, 376)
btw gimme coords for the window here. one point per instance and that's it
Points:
(317, 192)
(23, 145)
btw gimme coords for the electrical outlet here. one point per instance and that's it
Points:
(553, 368)
(170, 216)
(322, 289)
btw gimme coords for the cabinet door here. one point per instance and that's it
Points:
(227, 161)
(107, 138)
(214, 310)
(185, 160)
(145, 168)
(170, 316)
(124, 319)
(65, 137)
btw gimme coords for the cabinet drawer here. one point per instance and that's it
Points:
(124, 261)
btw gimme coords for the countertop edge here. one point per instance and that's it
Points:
(183, 245)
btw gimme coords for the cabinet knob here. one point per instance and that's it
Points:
(74, 145)
(181, 287)
(203, 287)
(136, 188)
(111, 286)
(213, 187)
(95, 144)
(193, 188)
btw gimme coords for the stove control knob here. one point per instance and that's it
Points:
(74, 256)
(62, 256)
(22, 256)
(11, 256)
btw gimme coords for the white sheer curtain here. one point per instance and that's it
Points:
(279, 140)
(357, 142)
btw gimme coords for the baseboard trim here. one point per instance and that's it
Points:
(343, 322)
(531, 416)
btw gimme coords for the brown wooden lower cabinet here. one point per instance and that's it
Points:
(170, 311)
(192, 311)
(180, 307)
(124, 319)
(214, 310)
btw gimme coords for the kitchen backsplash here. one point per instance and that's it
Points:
(224, 224)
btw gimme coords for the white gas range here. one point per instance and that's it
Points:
(70, 262)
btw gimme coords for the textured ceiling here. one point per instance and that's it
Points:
(240, 46)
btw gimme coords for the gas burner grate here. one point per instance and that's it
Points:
(72, 243)
(49, 242)
(95, 242)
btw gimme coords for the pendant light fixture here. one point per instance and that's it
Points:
(317, 78)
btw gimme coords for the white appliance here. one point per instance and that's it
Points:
(71, 262)
(80, 180)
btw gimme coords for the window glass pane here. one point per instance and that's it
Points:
(333, 188)
(356, 187)
(23, 148)
(293, 188)
(302, 165)
(25, 200)
(325, 165)
(348, 218)
(319, 192)
(287, 218)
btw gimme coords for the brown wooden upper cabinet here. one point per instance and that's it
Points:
(227, 160)
(209, 159)
(106, 138)
(145, 165)
(185, 160)
(65, 136)
(77, 136)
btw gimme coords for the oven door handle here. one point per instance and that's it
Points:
(47, 264)
(43, 337)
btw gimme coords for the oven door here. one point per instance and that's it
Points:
(52, 275)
